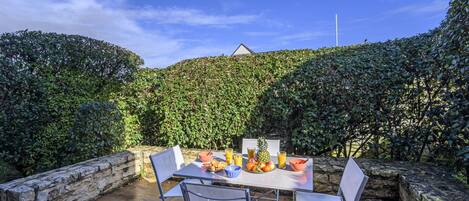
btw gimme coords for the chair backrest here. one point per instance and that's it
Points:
(352, 182)
(202, 192)
(274, 146)
(167, 162)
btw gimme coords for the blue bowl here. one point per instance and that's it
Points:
(232, 171)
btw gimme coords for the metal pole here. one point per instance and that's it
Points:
(336, 31)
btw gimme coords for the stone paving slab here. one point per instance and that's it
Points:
(143, 190)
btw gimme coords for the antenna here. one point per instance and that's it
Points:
(336, 31)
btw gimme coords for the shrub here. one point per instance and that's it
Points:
(8, 172)
(47, 77)
(207, 102)
(358, 94)
(451, 50)
(138, 101)
(403, 99)
(23, 112)
(98, 130)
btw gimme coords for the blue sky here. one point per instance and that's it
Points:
(164, 32)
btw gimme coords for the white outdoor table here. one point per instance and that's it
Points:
(277, 179)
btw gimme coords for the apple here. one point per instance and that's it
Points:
(250, 166)
(271, 165)
(262, 165)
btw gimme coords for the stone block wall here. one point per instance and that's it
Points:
(81, 181)
(89, 179)
(388, 181)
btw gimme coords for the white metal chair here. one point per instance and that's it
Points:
(274, 146)
(202, 192)
(352, 185)
(164, 164)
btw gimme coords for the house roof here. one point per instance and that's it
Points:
(242, 45)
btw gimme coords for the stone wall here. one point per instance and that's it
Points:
(81, 181)
(403, 181)
(86, 180)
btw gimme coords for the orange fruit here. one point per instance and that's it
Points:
(267, 168)
(262, 165)
(271, 165)
(250, 166)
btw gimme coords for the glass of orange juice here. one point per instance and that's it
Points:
(282, 159)
(238, 160)
(251, 153)
(229, 155)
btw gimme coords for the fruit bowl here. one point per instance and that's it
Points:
(214, 166)
(205, 156)
(261, 162)
(298, 164)
(232, 171)
(260, 168)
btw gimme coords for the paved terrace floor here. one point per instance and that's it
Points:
(143, 190)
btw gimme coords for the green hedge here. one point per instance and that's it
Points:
(452, 52)
(44, 78)
(358, 94)
(404, 99)
(98, 130)
(208, 102)
(138, 103)
(389, 99)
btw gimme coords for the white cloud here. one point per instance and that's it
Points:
(191, 17)
(302, 36)
(260, 33)
(432, 9)
(436, 6)
(118, 25)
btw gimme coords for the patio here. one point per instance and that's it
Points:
(129, 176)
(144, 190)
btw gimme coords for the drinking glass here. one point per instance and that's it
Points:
(229, 155)
(251, 153)
(238, 160)
(282, 159)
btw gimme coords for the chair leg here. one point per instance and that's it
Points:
(277, 194)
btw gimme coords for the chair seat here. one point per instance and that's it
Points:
(306, 196)
(176, 190)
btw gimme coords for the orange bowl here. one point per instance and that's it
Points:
(297, 164)
(205, 156)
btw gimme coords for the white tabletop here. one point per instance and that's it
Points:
(276, 179)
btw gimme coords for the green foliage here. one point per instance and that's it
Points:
(381, 95)
(44, 79)
(7, 172)
(331, 99)
(405, 99)
(207, 102)
(138, 102)
(23, 111)
(390, 98)
(452, 50)
(98, 130)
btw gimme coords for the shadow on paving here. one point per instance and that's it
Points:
(139, 190)
(143, 190)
